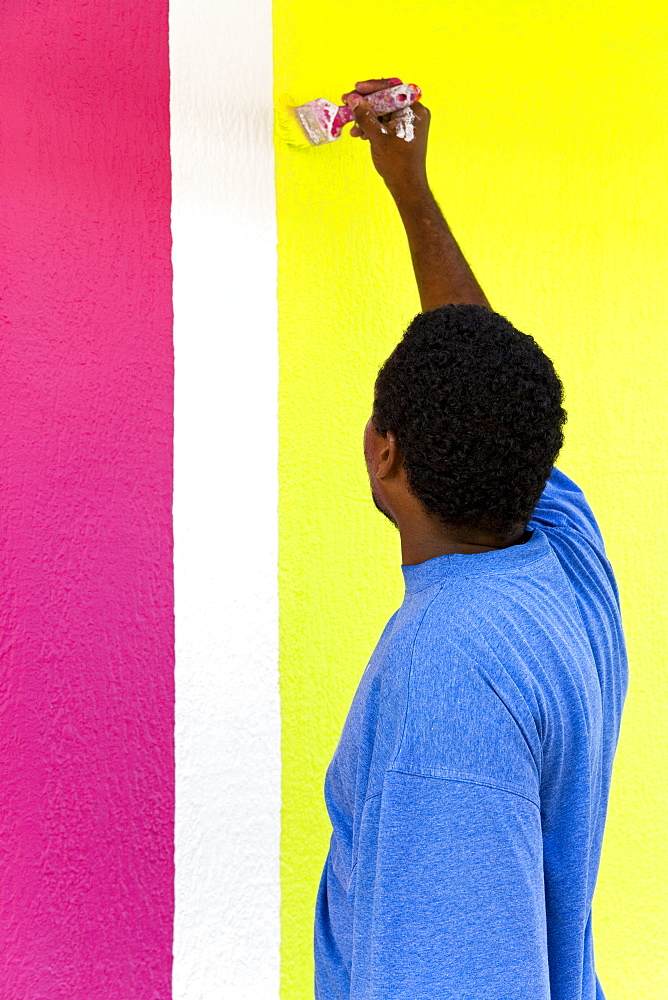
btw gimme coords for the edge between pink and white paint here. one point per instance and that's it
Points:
(227, 890)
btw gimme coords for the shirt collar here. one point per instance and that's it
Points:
(497, 562)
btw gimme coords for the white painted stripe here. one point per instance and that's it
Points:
(226, 934)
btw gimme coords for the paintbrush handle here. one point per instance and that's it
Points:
(322, 121)
(394, 98)
(383, 102)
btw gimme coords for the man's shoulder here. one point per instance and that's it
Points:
(466, 718)
(563, 506)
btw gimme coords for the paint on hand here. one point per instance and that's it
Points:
(404, 124)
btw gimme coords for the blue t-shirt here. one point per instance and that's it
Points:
(469, 788)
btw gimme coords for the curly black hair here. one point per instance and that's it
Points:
(476, 407)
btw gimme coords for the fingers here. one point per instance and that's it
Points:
(365, 87)
(419, 109)
(366, 120)
(371, 86)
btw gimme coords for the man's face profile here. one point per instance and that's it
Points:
(371, 440)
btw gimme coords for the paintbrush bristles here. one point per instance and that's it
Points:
(287, 125)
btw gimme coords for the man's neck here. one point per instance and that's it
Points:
(430, 542)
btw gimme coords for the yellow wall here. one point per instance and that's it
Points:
(548, 155)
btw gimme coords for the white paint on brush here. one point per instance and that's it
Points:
(226, 933)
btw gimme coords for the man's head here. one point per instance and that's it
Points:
(472, 408)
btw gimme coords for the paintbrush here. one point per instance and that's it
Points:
(322, 121)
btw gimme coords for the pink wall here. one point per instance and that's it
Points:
(86, 689)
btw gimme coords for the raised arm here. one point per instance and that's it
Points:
(399, 151)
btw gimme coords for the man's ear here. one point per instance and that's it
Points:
(389, 457)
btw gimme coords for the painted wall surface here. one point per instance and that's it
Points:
(226, 931)
(86, 800)
(548, 155)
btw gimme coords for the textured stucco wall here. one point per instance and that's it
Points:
(548, 155)
(86, 800)
(226, 931)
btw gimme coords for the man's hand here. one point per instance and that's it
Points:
(399, 151)
(398, 140)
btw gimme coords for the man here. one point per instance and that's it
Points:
(469, 788)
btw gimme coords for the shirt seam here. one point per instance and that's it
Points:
(446, 774)
(592, 534)
(428, 771)
(472, 575)
(519, 724)
(410, 672)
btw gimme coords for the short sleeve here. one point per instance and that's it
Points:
(465, 716)
(447, 888)
(563, 505)
(449, 900)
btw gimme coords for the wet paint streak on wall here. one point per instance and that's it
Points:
(226, 933)
(548, 152)
(86, 728)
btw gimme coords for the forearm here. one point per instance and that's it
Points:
(442, 273)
